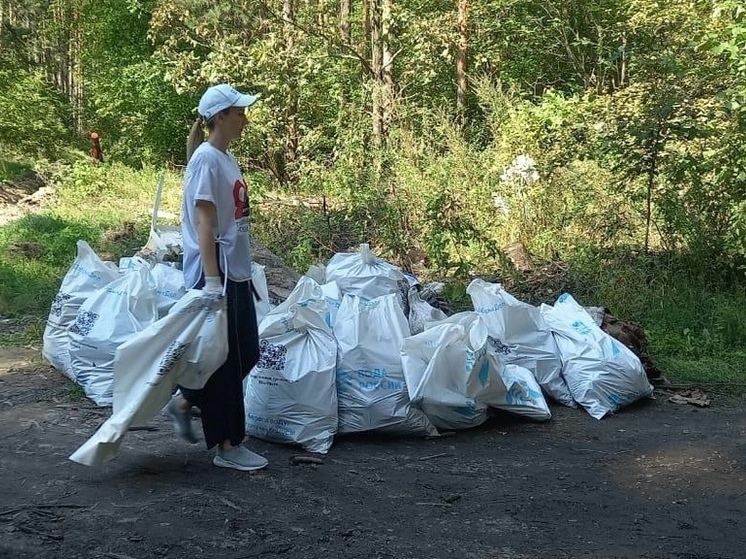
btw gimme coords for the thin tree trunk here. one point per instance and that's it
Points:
(461, 59)
(652, 174)
(365, 49)
(345, 11)
(77, 68)
(623, 64)
(291, 107)
(345, 36)
(321, 14)
(377, 67)
(387, 69)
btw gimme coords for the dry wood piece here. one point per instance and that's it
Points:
(433, 456)
(693, 396)
(520, 257)
(316, 459)
(281, 280)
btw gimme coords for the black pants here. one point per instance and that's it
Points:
(221, 399)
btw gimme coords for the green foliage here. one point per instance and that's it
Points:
(28, 284)
(141, 118)
(32, 114)
(107, 206)
(11, 167)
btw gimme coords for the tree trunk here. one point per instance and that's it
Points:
(461, 59)
(345, 36)
(321, 14)
(291, 106)
(387, 68)
(377, 68)
(76, 47)
(345, 11)
(63, 44)
(365, 50)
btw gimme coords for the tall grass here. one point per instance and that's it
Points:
(107, 206)
(12, 167)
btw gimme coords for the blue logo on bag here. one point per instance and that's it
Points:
(484, 373)
(93, 274)
(581, 328)
(377, 379)
(369, 305)
(521, 394)
(469, 410)
(494, 307)
(344, 380)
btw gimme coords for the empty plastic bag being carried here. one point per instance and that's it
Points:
(184, 348)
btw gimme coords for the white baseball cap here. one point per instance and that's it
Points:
(220, 97)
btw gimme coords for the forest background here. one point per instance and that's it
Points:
(607, 137)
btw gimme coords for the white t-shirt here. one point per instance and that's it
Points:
(213, 175)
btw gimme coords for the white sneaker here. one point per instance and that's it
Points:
(240, 458)
(182, 421)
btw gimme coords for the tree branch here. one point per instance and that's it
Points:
(316, 33)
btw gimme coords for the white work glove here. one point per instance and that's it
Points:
(213, 288)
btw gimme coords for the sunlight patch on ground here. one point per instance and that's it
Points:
(683, 467)
(17, 357)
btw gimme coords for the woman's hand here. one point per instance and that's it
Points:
(213, 288)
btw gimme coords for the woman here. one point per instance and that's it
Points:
(215, 228)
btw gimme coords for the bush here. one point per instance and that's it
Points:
(32, 120)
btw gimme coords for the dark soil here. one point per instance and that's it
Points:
(658, 480)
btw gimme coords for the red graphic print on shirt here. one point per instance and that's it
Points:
(240, 199)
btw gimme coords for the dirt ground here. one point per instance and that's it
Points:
(658, 480)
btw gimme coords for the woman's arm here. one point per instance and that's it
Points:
(206, 221)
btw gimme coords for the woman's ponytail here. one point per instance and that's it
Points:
(196, 137)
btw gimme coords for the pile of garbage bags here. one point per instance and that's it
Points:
(100, 306)
(356, 347)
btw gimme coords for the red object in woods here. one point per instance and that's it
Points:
(97, 154)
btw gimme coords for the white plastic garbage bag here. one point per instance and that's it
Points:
(166, 281)
(259, 282)
(421, 313)
(185, 348)
(291, 394)
(87, 274)
(333, 297)
(524, 396)
(603, 375)
(317, 272)
(450, 373)
(520, 336)
(169, 287)
(370, 381)
(363, 275)
(307, 292)
(108, 318)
